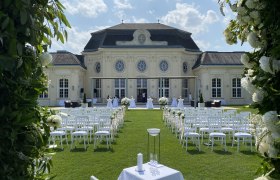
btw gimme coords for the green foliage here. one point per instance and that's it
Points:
(25, 31)
(85, 98)
(201, 98)
(260, 18)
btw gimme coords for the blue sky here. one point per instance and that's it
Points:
(202, 18)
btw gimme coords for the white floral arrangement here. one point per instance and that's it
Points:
(262, 67)
(125, 101)
(54, 121)
(163, 101)
(179, 113)
(183, 116)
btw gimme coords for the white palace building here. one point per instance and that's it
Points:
(144, 60)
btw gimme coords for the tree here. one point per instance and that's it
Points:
(257, 22)
(27, 27)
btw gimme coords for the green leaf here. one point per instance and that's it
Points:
(23, 16)
(5, 23)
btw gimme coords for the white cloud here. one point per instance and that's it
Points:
(88, 8)
(140, 20)
(189, 18)
(122, 4)
(203, 45)
(77, 39)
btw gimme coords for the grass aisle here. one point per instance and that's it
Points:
(132, 139)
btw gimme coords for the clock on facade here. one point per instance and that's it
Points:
(141, 38)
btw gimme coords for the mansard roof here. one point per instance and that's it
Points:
(218, 58)
(108, 37)
(67, 58)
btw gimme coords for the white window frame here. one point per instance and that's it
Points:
(64, 88)
(236, 87)
(163, 90)
(120, 86)
(216, 87)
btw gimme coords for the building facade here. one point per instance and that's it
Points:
(144, 60)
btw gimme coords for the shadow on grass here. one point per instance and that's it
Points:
(222, 152)
(248, 152)
(103, 149)
(195, 152)
(79, 149)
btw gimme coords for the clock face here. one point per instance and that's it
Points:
(141, 38)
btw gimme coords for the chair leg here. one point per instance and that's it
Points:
(71, 141)
(198, 144)
(186, 143)
(212, 139)
(61, 141)
(225, 143)
(85, 143)
(238, 140)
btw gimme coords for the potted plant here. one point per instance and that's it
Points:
(201, 101)
(85, 104)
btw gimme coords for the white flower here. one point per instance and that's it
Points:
(270, 119)
(233, 7)
(263, 147)
(250, 72)
(45, 58)
(255, 14)
(253, 40)
(246, 19)
(245, 60)
(250, 4)
(272, 151)
(276, 65)
(163, 101)
(265, 64)
(125, 101)
(246, 84)
(54, 121)
(241, 10)
(258, 96)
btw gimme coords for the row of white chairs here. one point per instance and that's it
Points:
(216, 123)
(86, 122)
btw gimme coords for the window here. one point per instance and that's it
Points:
(163, 87)
(142, 83)
(185, 67)
(98, 88)
(141, 66)
(44, 94)
(236, 87)
(216, 87)
(163, 65)
(119, 65)
(120, 88)
(63, 88)
(185, 88)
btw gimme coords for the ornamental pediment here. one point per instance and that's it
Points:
(141, 37)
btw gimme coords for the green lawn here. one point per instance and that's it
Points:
(132, 139)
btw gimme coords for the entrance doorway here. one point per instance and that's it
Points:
(141, 90)
(142, 95)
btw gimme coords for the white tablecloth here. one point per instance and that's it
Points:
(150, 104)
(132, 103)
(180, 103)
(174, 102)
(150, 173)
(109, 103)
(115, 102)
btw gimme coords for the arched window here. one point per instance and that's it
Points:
(216, 87)
(63, 88)
(236, 87)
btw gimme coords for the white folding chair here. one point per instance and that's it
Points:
(81, 129)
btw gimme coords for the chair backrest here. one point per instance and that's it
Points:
(214, 123)
(82, 122)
